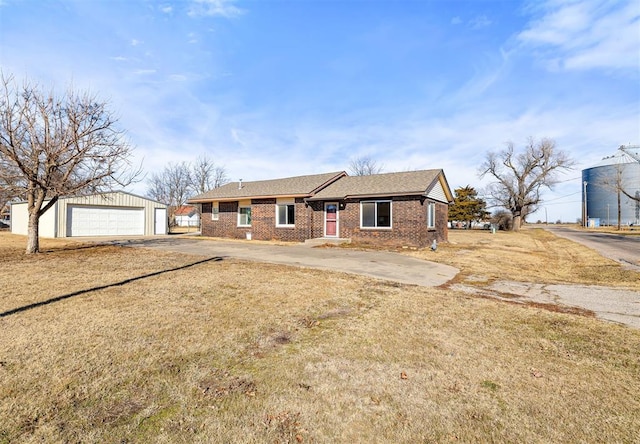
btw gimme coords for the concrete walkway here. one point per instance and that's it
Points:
(611, 304)
(377, 264)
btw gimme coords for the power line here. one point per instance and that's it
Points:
(569, 180)
(561, 203)
(562, 197)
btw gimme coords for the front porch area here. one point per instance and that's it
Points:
(326, 240)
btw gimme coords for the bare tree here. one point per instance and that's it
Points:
(172, 186)
(178, 181)
(364, 166)
(10, 182)
(520, 177)
(53, 146)
(621, 186)
(205, 175)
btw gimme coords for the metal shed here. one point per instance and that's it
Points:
(110, 214)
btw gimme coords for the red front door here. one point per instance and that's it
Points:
(331, 219)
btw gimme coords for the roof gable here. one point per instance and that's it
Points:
(299, 186)
(431, 183)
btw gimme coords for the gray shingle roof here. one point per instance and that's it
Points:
(388, 184)
(300, 186)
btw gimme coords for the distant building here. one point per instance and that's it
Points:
(187, 216)
(5, 216)
(600, 185)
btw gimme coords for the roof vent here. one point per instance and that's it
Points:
(239, 184)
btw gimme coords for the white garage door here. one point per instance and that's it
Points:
(104, 221)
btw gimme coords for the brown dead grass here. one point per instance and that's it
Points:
(531, 255)
(234, 351)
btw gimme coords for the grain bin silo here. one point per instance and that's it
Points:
(611, 189)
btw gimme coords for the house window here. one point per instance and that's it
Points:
(244, 216)
(375, 214)
(285, 213)
(215, 211)
(431, 215)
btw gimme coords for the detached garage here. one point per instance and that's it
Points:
(109, 214)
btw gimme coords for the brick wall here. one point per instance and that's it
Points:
(227, 223)
(263, 222)
(409, 222)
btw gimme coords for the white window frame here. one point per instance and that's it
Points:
(376, 227)
(241, 206)
(431, 215)
(215, 211)
(285, 203)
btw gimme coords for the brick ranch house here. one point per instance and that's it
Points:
(400, 209)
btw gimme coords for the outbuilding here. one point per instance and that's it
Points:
(109, 214)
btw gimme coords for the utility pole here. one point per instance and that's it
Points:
(586, 214)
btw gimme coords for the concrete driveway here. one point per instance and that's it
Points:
(616, 305)
(377, 264)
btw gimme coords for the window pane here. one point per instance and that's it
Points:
(384, 214)
(368, 214)
(291, 214)
(431, 215)
(245, 216)
(282, 214)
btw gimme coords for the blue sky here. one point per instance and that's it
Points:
(272, 89)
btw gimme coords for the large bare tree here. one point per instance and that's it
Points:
(58, 145)
(206, 175)
(171, 186)
(178, 181)
(520, 177)
(364, 166)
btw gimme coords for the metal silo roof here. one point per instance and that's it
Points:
(620, 157)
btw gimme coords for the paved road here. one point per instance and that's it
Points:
(623, 249)
(377, 264)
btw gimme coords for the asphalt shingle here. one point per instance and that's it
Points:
(387, 184)
(300, 186)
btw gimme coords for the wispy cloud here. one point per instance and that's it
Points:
(582, 35)
(135, 42)
(167, 9)
(178, 77)
(479, 22)
(212, 8)
(143, 72)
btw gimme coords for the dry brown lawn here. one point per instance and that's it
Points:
(132, 345)
(533, 255)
